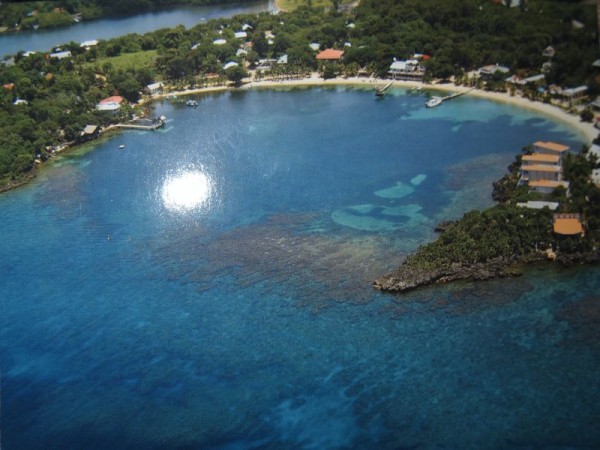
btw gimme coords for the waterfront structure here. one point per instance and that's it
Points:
(537, 204)
(89, 132)
(88, 44)
(574, 96)
(490, 70)
(110, 104)
(540, 159)
(60, 55)
(550, 148)
(541, 170)
(406, 70)
(154, 88)
(567, 224)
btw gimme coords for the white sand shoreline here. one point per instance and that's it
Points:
(585, 129)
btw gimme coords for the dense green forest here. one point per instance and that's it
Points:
(459, 35)
(511, 233)
(50, 14)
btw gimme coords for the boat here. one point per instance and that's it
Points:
(192, 103)
(122, 146)
(433, 102)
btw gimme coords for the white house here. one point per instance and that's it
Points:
(492, 69)
(574, 96)
(407, 70)
(240, 35)
(230, 64)
(220, 41)
(61, 55)
(535, 79)
(154, 88)
(88, 44)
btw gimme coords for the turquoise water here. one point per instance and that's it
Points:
(208, 286)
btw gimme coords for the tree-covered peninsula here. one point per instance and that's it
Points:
(500, 240)
(48, 98)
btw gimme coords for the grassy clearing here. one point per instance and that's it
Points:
(128, 60)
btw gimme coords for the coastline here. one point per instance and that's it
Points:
(586, 129)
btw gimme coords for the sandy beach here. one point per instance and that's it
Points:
(586, 129)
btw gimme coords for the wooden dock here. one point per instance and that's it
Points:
(380, 91)
(437, 101)
(133, 126)
(457, 94)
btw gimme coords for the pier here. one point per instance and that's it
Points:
(380, 91)
(437, 101)
(143, 124)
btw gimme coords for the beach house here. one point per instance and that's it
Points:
(567, 224)
(406, 70)
(110, 104)
(550, 148)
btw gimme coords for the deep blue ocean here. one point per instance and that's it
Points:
(209, 287)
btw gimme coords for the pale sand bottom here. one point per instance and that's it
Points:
(586, 129)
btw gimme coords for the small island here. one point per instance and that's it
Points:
(548, 211)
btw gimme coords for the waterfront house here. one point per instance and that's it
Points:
(406, 70)
(330, 55)
(60, 55)
(89, 132)
(537, 172)
(154, 88)
(567, 224)
(487, 72)
(110, 104)
(535, 80)
(88, 44)
(547, 186)
(550, 148)
(265, 64)
(540, 158)
(574, 96)
(537, 204)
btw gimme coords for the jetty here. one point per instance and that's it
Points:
(437, 101)
(143, 124)
(379, 91)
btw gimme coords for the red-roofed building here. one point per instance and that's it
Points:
(567, 224)
(114, 99)
(330, 55)
(9, 86)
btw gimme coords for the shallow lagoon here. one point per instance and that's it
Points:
(209, 287)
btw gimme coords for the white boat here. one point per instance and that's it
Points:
(192, 103)
(122, 146)
(433, 102)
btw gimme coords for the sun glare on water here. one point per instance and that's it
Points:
(186, 190)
